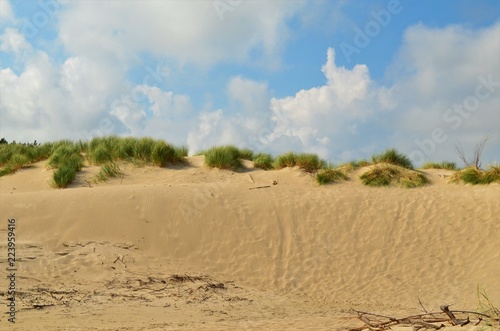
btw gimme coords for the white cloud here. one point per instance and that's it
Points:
(436, 71)
(245, 123)
(187, 31)
(6, 14)
(323, 118)
(13, 41)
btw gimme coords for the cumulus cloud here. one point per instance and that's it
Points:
(12, 41)
(322, 118)
(245, 123)
(6, 14)
(186, 31)
(437, 74)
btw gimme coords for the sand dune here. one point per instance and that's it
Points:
(193, 248)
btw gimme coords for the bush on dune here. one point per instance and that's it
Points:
(263, 161)
(392, 156)
(440, 165)
(475, 176)
(393, 175)
(306, 162)
(331, 175)
(224, 157)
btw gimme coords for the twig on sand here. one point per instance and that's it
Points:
(254, 188)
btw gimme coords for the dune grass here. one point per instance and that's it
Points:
(475, 176)
(354, 165)
(305, 161)
(330, 175)
(108, 170)
(15, 156)
(223, 157)
(392, 156)
(263, 161)
(393, 175)
(440, 165)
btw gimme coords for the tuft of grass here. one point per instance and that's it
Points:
(61, 153)
(246, 154)
(162, 154)
(284, 161)
(109, 170)
(224, 157)
(307, 162)
(144, 148)
(486, 307)
(475, 176)
(392, 156)
(64, 175)
(440, 165)
(328, 176)
(181, 152)
(100, 154)
(263, 161)
(127, 148)
(393, 175)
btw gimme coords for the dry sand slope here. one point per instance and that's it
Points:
(193, 248)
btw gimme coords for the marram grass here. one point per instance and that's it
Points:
(392, 156)
(328, 176)
(440, 165)
(305, 161)
(474, 176)
(393, 175)
(223, 157)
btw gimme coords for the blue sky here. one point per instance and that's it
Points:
(344, 79)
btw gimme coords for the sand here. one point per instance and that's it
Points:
(191, 248)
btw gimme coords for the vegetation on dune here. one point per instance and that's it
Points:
(108, 170)
(354, 165)
(330, 175)
(393, 175)
(440, 165)
(392, 156)
(223, 157)
(475, 176)
(390, 168)
(305, 161)
(15, 156)
(263, 161)
(246, 154)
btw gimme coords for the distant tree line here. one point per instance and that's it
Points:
(3, 141)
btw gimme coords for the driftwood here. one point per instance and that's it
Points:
(426, 321)
(254, 188)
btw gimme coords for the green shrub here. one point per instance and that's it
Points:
(162, 154)
(492, 175)
(60, 154)
(306, 162)
(263, 161)
(328, 176)
(100, 154)
(392, 156)
(109, 170)
(284, 161)
(440, 165)
(6, 170)
(181, 152)
(474, 176)
(143, 149)
(309, 162)
(17, 161)
(390, 175)
(64, 176)
(246, 154)
(127, 147)
(224, 157)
